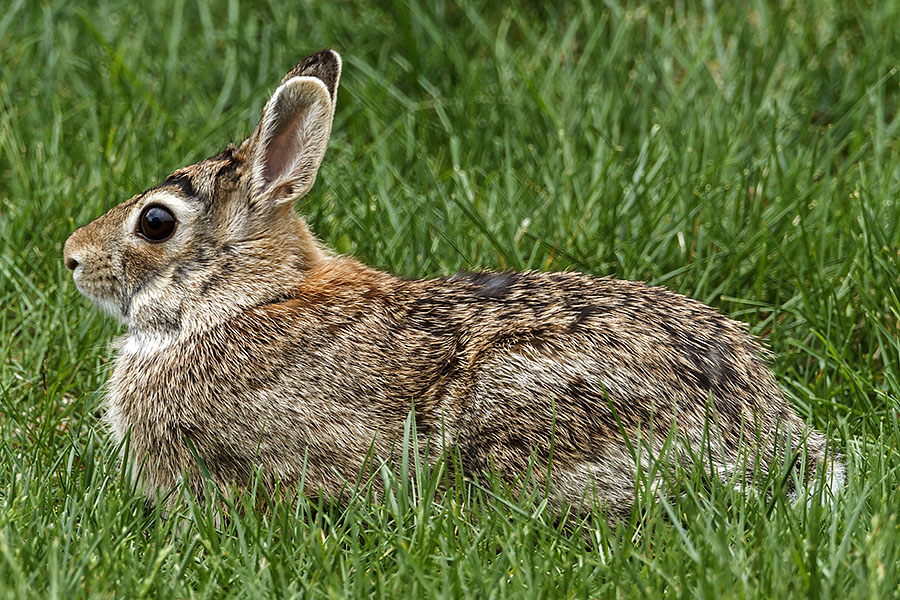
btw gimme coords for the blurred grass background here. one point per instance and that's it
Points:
(744, 154)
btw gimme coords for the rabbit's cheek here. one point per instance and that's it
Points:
(141, 270)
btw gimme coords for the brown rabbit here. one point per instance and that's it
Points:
(250, 345)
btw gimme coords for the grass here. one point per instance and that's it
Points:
(747, 156)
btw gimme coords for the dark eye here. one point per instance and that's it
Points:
(156, 224)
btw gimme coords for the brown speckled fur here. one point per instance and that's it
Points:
(251, 342)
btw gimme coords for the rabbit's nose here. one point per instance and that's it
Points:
(71, 257)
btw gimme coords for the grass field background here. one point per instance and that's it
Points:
(744, 154)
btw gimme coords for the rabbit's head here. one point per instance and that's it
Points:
(221, 235)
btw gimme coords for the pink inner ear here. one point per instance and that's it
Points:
(282, 149)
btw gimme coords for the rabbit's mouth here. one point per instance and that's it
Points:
(99, 294)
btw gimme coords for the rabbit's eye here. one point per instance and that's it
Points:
(156, 224)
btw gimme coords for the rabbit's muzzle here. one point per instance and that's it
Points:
(92, 268)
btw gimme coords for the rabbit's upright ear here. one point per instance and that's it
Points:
(287, 147)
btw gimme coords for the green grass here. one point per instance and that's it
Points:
(745, 155)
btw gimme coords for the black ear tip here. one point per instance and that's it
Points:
(324, 65)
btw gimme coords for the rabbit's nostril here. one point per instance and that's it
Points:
(71, 263)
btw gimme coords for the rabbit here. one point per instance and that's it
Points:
(252, 348)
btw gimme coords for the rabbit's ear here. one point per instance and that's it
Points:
(287, 147)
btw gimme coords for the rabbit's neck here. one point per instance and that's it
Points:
(249, 274)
